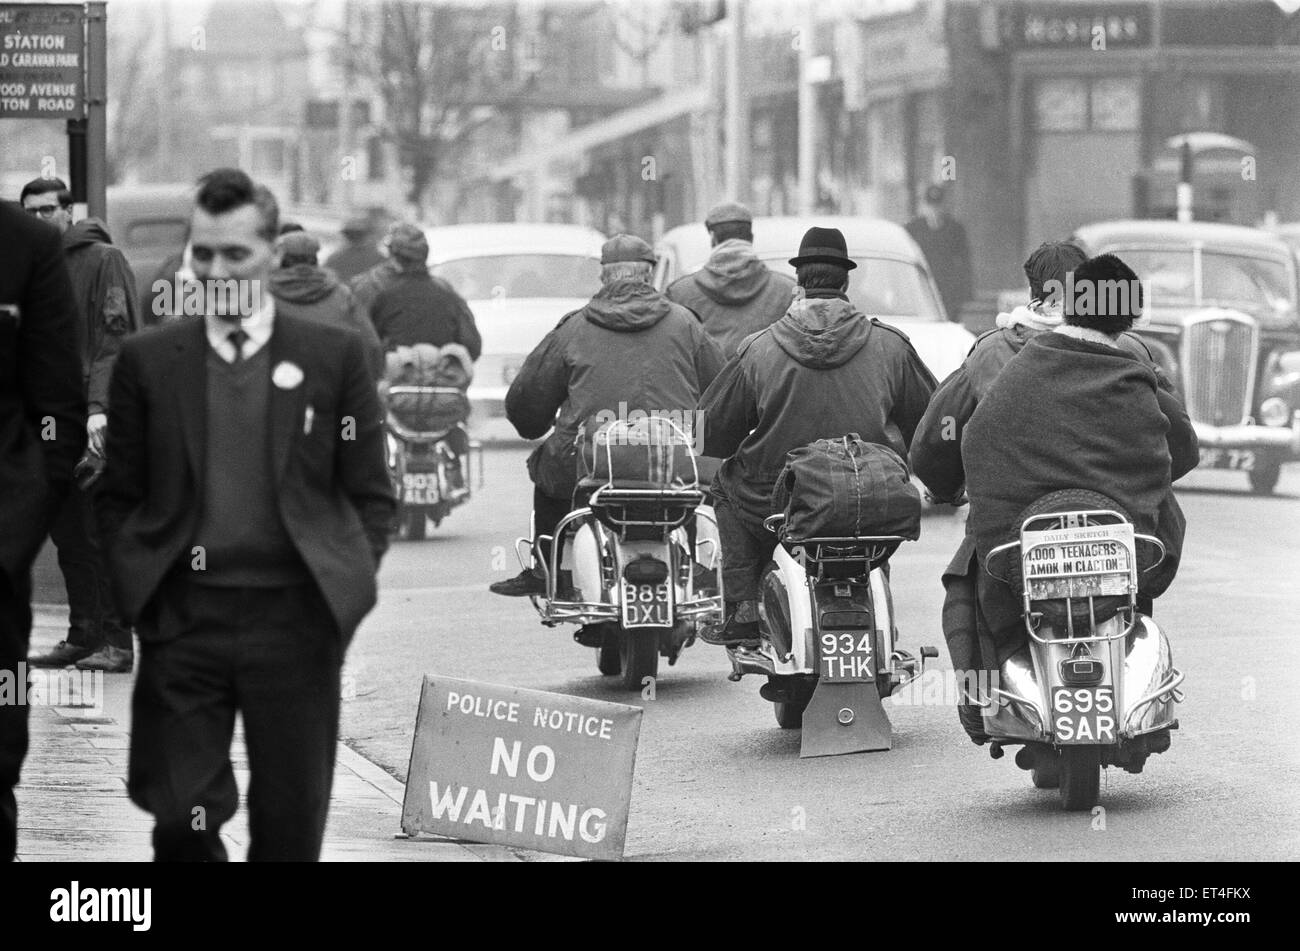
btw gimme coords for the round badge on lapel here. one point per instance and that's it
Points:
(286, 375)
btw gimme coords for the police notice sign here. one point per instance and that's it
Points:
(42, 61)
(518, 767)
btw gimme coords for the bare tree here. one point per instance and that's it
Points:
(438, 68)
(133, 77)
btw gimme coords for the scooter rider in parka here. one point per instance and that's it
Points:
(822, 371)
(735, 294)
(936, 457)
(629, 348)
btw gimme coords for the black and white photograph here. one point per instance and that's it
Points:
(528, 432)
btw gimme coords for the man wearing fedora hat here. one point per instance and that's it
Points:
(735, 294)
(630, 349)
(823, 370)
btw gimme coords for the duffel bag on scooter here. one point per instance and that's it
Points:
(442, 375)
(846, 487)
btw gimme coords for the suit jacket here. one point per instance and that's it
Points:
(333, 492)
(42, 402)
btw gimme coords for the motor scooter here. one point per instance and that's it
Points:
(1095, 684)
(828, 641)
(636, 566)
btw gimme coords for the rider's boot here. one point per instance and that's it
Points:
(527, 582)
(740, 629)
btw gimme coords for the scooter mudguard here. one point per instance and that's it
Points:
(845, 718)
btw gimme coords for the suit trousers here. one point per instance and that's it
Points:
(92, 617)
(207, 653)
(15, 635)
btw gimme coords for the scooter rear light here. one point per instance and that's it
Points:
(1081, 671)
(645, 570)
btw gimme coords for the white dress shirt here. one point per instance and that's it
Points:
(258, 326)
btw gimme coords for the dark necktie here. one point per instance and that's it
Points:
(238, 338)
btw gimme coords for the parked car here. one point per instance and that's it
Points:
(892, 280)
(1221, 317)
(1290, 233)
(519, 280)
(150, 224)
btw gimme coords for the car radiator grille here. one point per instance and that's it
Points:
(1218, 356)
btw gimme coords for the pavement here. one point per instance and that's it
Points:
(73, 804)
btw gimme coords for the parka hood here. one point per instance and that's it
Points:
(302, 283)
(822, 333)
(84, 232)
(627, 306)
(733, 274)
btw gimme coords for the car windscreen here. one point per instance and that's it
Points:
(883, 287)
(521, 275)
(1176, 277)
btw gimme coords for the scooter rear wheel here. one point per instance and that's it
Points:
(1046, 773)
(639, 656)
(414, 525)
(789, 713)
(1080, 772)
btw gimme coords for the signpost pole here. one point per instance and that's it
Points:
(96, 141)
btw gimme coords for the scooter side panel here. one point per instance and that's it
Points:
(1147, 667)
(803, 650)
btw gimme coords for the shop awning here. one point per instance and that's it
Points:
(576, 144)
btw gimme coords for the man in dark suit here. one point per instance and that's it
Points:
(246, 512)
(42, 434)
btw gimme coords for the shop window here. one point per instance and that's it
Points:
(1080, 105)
(1200, 104)
(1061, 105)
(375, 167)
(1115, 105)
(267, 157)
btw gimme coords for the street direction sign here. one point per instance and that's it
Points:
(509, 766)
(42, 61)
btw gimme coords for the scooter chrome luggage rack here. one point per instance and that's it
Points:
(642, 512)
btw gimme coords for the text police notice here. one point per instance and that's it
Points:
(509, 766)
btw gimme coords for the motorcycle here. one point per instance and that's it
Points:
(828, 641)
(636, 566)
(1095, 686)
(430, 477)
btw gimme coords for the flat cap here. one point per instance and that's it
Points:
(356, 226)
(407, 242)
(297, 244)
(626, 247)
(728, 211)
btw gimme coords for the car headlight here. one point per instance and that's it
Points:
(1274, 411)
